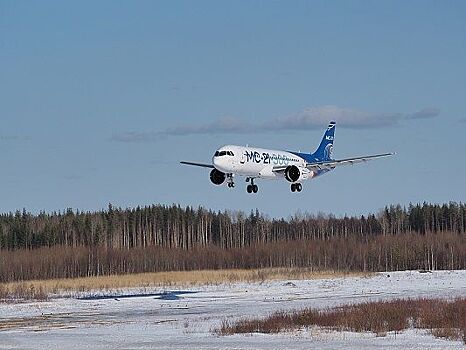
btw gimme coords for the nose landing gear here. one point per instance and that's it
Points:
(296, 187)
(230, 181)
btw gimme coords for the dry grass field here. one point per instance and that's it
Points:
(443, 318)
(42, 289)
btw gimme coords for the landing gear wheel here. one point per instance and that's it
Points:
(252, 188)
(293, 187)
(299, 187)
(230, 180)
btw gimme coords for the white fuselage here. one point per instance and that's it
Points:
(254, 162)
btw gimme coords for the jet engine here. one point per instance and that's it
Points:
(294, 173)
(217, 177)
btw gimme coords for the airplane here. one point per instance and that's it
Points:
(258, 163)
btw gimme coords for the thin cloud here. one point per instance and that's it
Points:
(14, 138)
(135, 137)
(315, 117)
(425, 113)
(308, 119)
(72, 177)
(226, 125)
(9, 138)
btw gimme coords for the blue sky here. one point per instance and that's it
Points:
(100, 100)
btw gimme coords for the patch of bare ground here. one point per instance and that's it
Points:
(443, 318)
(42, 289)
(54, 321)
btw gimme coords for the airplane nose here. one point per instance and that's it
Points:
(218, 163)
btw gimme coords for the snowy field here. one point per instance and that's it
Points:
(185, 318)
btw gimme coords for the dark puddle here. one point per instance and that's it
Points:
(168, 295)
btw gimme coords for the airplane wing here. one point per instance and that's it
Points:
(330, 164)
(199, 164)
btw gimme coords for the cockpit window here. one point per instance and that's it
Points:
(223, 153)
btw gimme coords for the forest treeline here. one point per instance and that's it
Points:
(405, 251)
(188, 228)
(167, 238)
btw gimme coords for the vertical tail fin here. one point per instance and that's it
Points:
(324, 151)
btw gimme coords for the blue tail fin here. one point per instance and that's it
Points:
(324, 151)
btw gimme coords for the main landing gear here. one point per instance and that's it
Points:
(296, 187)
(252, 188)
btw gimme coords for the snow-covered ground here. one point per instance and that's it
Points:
(185, 318)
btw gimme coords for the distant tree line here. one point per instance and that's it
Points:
(165, 238)
(188, 228)
(404, 251)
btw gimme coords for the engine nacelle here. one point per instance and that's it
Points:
(217, 177)
(294, 173)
